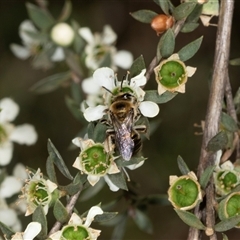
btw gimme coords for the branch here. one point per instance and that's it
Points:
(220, 71)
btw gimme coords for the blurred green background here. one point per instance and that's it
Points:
(175, 135)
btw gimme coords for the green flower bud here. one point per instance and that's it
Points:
(229, 207)
(184, 192)
(3, 134)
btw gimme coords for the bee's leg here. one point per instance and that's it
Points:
(140, 128)
(110, 140)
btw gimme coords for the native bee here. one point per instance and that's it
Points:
(123, 114)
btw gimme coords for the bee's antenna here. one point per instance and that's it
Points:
(125, 77)
(128, 73)
(107, 90)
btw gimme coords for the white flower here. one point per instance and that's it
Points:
(100, 47)
(13, 184)
(79, 228)
(62, 34)
(22, 134)
(96, 161)
(105, 77)
(37, 191)
(32, 230)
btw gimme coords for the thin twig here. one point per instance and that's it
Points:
(220, 71)
(72, 202)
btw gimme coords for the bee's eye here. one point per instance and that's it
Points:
(127, 96)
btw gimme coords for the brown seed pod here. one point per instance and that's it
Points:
(161, 23)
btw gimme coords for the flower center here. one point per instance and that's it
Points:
(228, 180)
(184, 192)
(172, 74)
(38, 193)
(233, 206)
(95, 160)
(75, 233)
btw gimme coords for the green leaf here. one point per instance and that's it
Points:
(66, 11)
(224, 236)
(118, 179)
(142, 221)
(164, 5)
(144, 16)
(133, 160)
(39, 16)
(51, 170)
(228, 122)
(51, 83)
(166, 44)
(190, 219)
(235, 62)
(183, 10)
(99, 132)
(6, 230)
(204, 178)
(152, 95)
(106, 216)
(90, 129)
(182, 166)
(137, 66)
(190, 49)
(218, 142)
(60, 212)
(160, 199)
(76, 92)
(39, 216)
(57, 159)
(189, 27)
(211, 8)
(227, 224)
(120, 227)
(78, 42)
(194, 16)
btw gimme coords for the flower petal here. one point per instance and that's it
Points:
(139, 80)
(6, 150)
(94, 113)
(24, 134)
(27, 26)
(113, 168)
(181, 88)
(9, 110)
(190, 71)
(149, 109)
(8, 216)
(112, 186)
(86, 34)
(20, 51)
(135, 166)
(32, 230)
(19, 171)
(10, 186)
(93, 179)
(75, 220)
(109, 36)
(91, 214)
(77, 164)
(161, 89)
(89, 86)
(123, 59)
(56, 236)
(58, 55)
(104, 77)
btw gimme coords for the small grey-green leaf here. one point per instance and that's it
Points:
(99, 132)
(224, 236)
(118, 179)
(183, 10)
(228, 122)
(166, 44)
(57, 159)
(204, 179)
(144, 16)
(120, 228)
(40, 216)
(137, 66)
(189, 27)
(6, 231)
(193, 17)
(182, 166)
(106, 216)
(60, 212)
(66, 11)
(74, 108)
(227, 224)
(142, 221)
(190, 219)
(51, 170)
(51, 83)
(40, 17)
(219, 141)
(152, 95)
(235, 62)
(160, 199)
(164, 5)
(133, 160)
(190, 49)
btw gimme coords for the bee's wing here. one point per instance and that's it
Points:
(123, 138)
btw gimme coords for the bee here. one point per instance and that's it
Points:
(123, 114)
